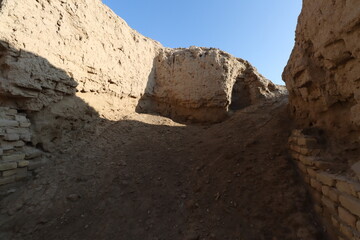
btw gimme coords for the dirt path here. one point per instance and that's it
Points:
(146, 177)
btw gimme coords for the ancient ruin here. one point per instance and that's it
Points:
(106, 134)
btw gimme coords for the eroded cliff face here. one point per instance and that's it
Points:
(323, 74)
(204, 85)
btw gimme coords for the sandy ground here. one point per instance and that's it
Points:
(147, 177)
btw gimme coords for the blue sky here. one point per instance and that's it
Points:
(260, 31)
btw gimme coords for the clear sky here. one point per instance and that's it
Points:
(260, 31)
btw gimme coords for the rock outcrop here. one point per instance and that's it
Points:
(204, 84)
(323, 73)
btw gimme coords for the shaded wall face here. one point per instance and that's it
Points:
(323, 73)
(69, 35)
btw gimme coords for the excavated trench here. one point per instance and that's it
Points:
(147, 177)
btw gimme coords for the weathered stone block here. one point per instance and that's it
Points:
(322, 165)
(21, 118)
(330, 205)
(19, 143)
(14, 157)
(307, 160)
(25, 137)
(12, 137)
(315, 184)
(11, 112)
(326, 178)
(347, 217)
(334, 195)
(7, 180)
(7, 166)
(8, 123)
(23, 163)
(21, 173)
(25, 124)
(31, 152)
(350, 203)
(312, 173)
(325, 190)
(346, 231)
(347, 186)
(308, 142)
(8, 173)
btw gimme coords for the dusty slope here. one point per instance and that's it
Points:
(146, 177)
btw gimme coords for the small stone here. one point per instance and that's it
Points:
(31, 152)
(73, 197)
(23, 163)
(21, 118)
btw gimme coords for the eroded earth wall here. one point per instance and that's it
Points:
(54, 48)
(204, 84)
(68, 65)
(323, 73)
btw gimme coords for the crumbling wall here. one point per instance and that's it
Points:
(323, 72)
(65, 51)
(200, 84)
(335, 193)
(64, 47)
(18, 159)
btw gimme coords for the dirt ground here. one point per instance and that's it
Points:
(147, 177)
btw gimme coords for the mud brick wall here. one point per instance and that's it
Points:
(336, 197)
(17, 157)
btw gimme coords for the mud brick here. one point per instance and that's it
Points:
(7, 180)
(12, 137)
(347, 217)
(330, 205)
(8, 123)
(21, 118)
(14, 157)
(350, 203)
(8, 173)
(23, 163)
(315, 184)
(326, 178)
(7, 166)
